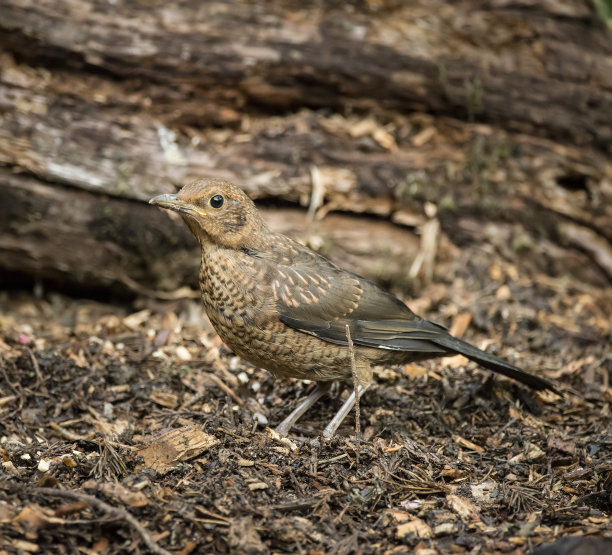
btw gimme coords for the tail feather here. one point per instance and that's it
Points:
(496, 364)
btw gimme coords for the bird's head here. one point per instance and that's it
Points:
(216, 212)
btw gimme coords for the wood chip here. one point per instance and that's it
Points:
(164, 398)
(467, 443)
(25, 546)
(119, 492)
(416, 527)
(460, 324)
(533, 453)
(463, 507)
(175, 446)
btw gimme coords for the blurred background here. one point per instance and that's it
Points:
(422, 126)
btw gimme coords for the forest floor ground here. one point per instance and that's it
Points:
(132, 428)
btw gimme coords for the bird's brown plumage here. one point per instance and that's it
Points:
(285, 308)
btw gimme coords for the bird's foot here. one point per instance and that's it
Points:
(332, 427)
(285, 426)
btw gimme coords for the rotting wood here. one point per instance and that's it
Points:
(130, 247)
(127, 111)
(545, 67)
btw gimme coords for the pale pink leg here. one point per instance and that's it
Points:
(285, 426)
(335, 422)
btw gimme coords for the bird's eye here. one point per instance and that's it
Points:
(216, 201)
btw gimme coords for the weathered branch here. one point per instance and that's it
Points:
(100, 111)
(526, 66)
(70, 237)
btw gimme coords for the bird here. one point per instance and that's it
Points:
(286, 308)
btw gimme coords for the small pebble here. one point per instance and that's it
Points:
(24, 339)
(9, 466)
(182, 353)
(260, 418)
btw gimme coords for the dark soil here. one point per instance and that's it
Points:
(133, 429)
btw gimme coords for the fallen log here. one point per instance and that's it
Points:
(67, 238)
(100, 111)
(532, 66)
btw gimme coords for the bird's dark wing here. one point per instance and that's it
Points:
(315, 296)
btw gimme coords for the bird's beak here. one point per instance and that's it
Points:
(171, 202)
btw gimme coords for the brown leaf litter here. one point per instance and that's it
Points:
(135, 428)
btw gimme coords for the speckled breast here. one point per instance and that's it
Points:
(242, 316)
(242, 311)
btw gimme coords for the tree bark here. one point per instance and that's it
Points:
(67, 237)
(531, 64)
(100, 110)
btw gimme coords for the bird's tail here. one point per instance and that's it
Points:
(454, 345)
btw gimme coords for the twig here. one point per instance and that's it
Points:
(213, 516)
(119, 514)
(505, 427)
(14, 388)
(355, 387)
(70, 436)
(226, 389)
(39, 377)
(333, 459)
(318, 192)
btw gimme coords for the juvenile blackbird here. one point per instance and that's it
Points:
(285, 308)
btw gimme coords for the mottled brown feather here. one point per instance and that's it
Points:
(285, 308)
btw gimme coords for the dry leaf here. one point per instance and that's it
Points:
(7, 513)
(453, 473)
(398, 515)
(100, 546)
(243, 537)
(463, 507)
(174, 446)
(417, 527)
(482, 493)
(33, 517)
(556, 441)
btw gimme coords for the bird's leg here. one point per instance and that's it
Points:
(322, 388)
(351, 349)
(335, 422)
